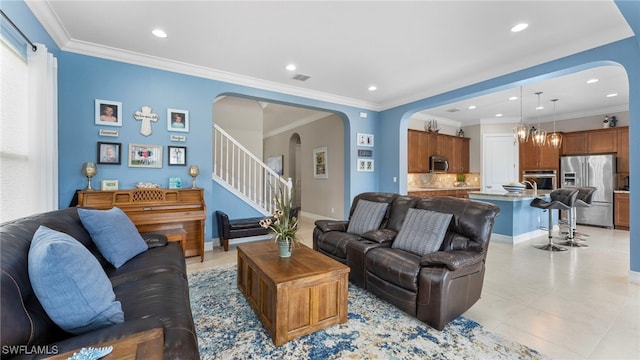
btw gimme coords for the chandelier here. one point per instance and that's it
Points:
(555, 139)
(520, 131)
(539, 137)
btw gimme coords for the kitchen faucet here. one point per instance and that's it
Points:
(534, 185)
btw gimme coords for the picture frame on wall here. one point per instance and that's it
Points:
(365, 139)
(320, 163)
(109, 153)
(275, 164)
(365, 165)
(177, 155)
(108, 112)
(178, 120)
(145, 156)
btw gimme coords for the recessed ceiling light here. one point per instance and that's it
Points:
(592, 81)
(472, 107)
(373, 88)
(291, 67)
(498, 115)
(513, 98)
(159, 33)
(612, 95)
(519, 27)
(539, 107)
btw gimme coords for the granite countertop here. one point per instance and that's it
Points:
(621, 191)
(507, 196)
(444, 188)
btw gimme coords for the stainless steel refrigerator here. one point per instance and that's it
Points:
(598, 171)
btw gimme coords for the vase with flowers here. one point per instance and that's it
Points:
(284, 222)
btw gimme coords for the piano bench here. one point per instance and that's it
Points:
(178, 235)
(238, 228)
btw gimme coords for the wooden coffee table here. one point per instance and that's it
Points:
(292, 296)
(146, 345)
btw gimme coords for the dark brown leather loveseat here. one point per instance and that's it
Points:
(152, 288)
(436, 287)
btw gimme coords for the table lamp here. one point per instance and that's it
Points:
(89, 169)
(194, 171)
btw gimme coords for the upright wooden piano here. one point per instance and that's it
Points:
(157, 210)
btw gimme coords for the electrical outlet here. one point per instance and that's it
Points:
(333, 210)
(395, 179)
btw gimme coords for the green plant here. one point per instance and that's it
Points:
(461, 177)
(284, 223)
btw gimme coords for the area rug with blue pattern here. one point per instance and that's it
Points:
(227, 328)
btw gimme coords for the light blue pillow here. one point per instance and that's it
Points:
(113, 232)
(422, 231)
(70, 283)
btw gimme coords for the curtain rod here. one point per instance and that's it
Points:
(33, 46)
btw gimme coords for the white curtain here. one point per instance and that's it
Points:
(29, 133)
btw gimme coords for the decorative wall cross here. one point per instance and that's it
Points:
(146, 116)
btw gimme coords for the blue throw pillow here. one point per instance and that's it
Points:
(70, 283)
(113, 232)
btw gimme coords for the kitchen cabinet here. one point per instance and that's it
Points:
(623, 151)
(422, 145)
(538, 157)
(460, 193)
(418, 151)
(574, 143)
(602, 141)
(621, 210)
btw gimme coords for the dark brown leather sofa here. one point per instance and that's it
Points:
(437, 287)
(152, 288)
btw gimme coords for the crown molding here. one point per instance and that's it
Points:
(296, 124)
(50, 21)
(441, 120)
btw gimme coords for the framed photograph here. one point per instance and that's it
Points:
(109, 153)
(365, 165)
(275, 163)
(365, 139)
(108, 113)
(109, 185)
(177, 155)
(320, 163)
(145, 156)
(178, 120)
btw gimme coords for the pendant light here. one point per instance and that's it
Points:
(539, 137)
(520, 131)
(555, 139)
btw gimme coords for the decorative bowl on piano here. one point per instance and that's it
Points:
(514, 187)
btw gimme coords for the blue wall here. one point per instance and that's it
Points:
(83, 79)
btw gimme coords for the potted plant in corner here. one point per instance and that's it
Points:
(284, 223)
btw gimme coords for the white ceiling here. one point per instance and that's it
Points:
(409, 50)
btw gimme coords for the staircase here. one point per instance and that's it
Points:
(242, 173)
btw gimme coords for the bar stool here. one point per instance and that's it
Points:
(561, 199)
(584, 199)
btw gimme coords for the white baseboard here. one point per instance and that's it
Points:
(634, 277)
(518, 238)
(315, 217)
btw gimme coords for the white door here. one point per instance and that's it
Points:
(499, 161)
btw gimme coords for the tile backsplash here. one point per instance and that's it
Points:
(439, 180)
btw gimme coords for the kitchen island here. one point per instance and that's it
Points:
(518, 221)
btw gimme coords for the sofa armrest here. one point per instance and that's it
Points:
(381, 236)
(453, 260)
(332, 225)
(154, 240)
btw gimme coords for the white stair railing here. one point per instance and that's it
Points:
(242, 172)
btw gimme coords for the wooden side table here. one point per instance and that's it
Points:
(143, 345)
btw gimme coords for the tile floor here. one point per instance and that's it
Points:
(576, 304)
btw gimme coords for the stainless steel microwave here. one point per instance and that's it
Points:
(438, 164)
